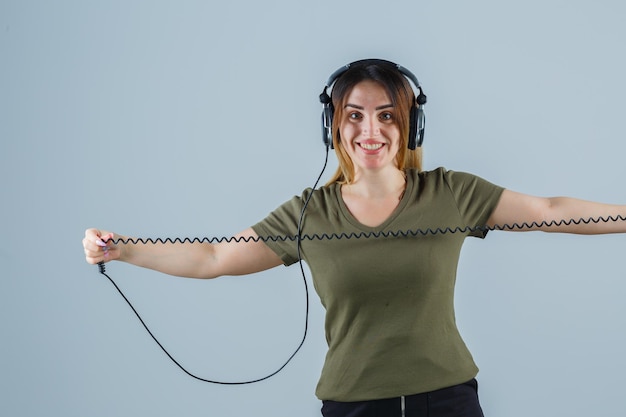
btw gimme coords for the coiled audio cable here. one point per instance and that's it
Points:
(299, 237)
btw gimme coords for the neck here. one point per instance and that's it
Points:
(378, 184)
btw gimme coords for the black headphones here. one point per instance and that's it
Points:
(417, 119)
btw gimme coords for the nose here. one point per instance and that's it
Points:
(371, 127)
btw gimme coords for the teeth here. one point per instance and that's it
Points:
(371, 146)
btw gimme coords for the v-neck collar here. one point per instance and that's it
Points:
(408, 192)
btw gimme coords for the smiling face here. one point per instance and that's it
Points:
(368, 128)
(361, 84)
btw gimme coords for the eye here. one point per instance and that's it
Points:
(354, 115)
(386, 116)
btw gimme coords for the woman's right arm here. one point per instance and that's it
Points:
(192, 260)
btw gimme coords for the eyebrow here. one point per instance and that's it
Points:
(384, 106)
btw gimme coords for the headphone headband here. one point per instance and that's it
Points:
(417, 118)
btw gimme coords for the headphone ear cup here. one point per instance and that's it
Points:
(417, 123)
(327, 125)
(414, 141)
(421, 125)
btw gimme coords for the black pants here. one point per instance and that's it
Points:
(456, 401)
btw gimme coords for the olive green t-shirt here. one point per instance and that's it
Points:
(390, 324)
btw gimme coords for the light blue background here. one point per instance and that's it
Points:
(197, 118)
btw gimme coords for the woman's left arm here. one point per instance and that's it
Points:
(538, 212)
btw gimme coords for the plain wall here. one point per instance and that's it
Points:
(192, 118)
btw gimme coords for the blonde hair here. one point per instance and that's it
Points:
(402, 97)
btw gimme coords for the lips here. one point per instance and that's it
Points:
(370, 146)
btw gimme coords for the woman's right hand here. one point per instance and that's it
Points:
(99, 246)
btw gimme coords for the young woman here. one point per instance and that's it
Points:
(393, 345)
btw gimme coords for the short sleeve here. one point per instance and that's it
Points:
(475, 198)
(280, 228)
